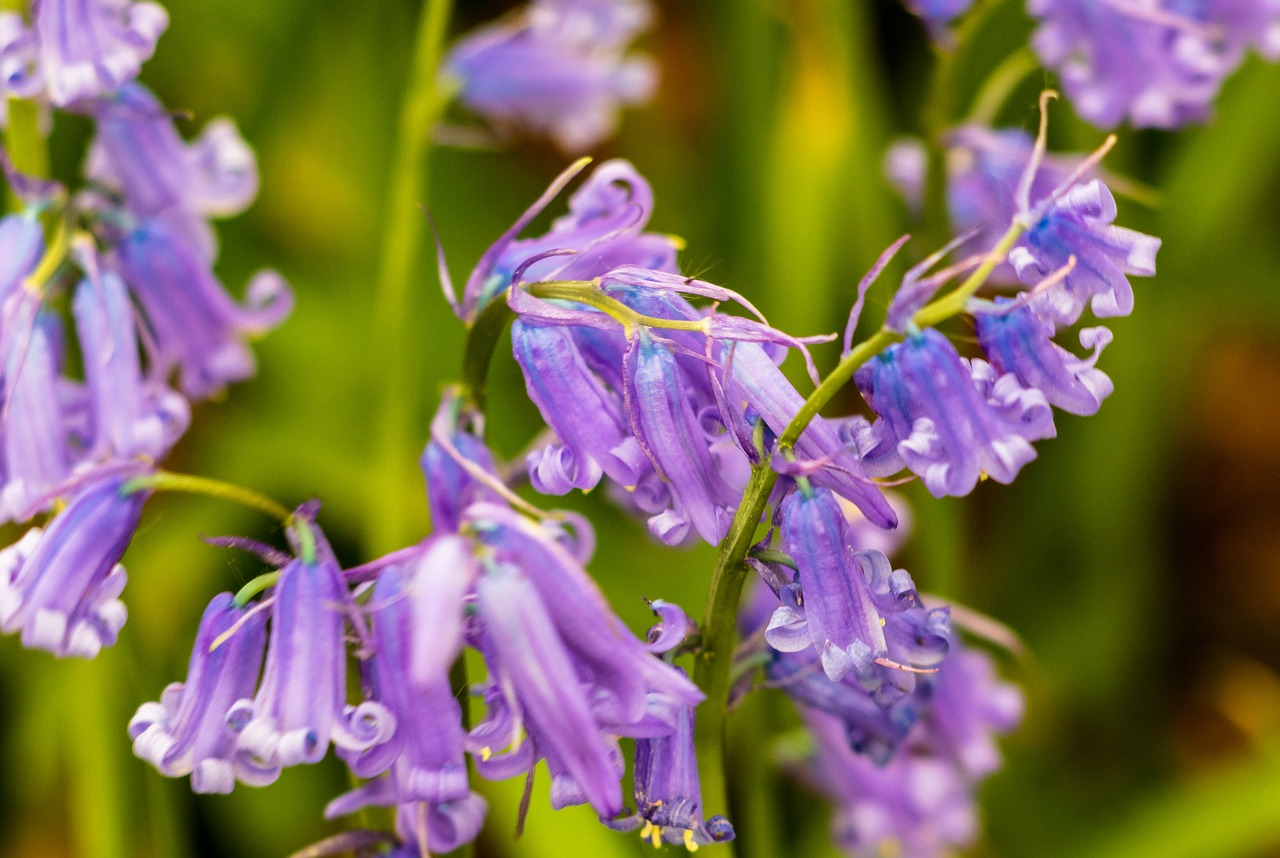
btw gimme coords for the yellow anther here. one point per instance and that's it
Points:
(485, 753)
(882, 621)
(655, 836)
(689, 842)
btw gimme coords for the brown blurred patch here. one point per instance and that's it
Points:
(1226, 541)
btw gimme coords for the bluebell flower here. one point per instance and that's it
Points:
(948, 419)
(1079, 224)
(417, 610)
(544, 72)
(968, 706)
(919, 806)
(60, 584)
(36, 429)
(984, 167)
(839, 618)
(438, 829)
(564, 669)
(300, 705)
(668, 791)
(671, 434)
(132, 415)
(1015, 340)
(91, 48)
(604, 229)
(525, 650)
(588, 418)
(186, 732)
(197, 328)
(138, 152)
(1157, 64)
(624, 672)
(446, 460)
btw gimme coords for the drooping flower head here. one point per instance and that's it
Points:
(558, 69)
(198, 329)
(1079, 224)
(60, 585)
(300, 704)
(186, 732)
(91, 48)
(564, 669)
(947, 419)
(1156, 64)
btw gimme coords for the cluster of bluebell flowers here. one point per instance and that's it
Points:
(85, 423)
(665, 388)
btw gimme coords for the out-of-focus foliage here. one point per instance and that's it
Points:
(1139, 557)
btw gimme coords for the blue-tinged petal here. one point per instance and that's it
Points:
(300, 703)
(1080, 225)
(1019, 342)
(949, 421)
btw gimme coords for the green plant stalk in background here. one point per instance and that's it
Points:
(394, 367)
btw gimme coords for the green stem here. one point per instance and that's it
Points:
(482, 342)
(393, 364)
(166, 481)
(1000, 84)
(585, 292)
(254, 587)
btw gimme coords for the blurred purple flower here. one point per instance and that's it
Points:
(197, 328)
(1152, 62)
(556, 69)
(60, 584)
(917, 806)
(91, 48)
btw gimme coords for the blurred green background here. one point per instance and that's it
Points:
(1139, 556)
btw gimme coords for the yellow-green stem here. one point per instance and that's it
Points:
(166, 481)
(393, 363)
